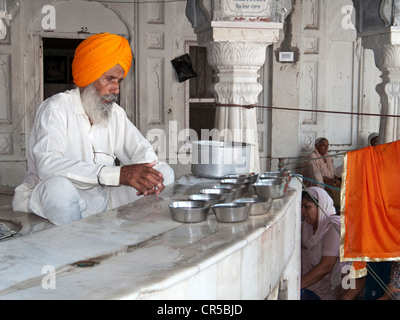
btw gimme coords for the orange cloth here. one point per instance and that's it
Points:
(98, 54)
(371, 212)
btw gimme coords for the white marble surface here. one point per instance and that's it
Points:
(141, 253)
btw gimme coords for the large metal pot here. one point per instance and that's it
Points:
(216, 159)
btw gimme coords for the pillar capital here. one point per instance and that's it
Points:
(237, 65)
(237, 34)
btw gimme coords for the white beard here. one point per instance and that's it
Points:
(98, 108)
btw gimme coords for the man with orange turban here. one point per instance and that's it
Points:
(78, 135)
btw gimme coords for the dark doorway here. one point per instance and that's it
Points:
(57, 61)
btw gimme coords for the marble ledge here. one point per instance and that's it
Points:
(139, 252)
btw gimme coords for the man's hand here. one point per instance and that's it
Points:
(143, 177)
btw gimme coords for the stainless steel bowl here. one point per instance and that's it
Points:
(235, 181)
(287, 175)
(276, 174)
(239, 189)
(257, 206)
(252, 177)
(227, 193)
(270, 188)
(231, 212)
(189, 211)
(211, 199)
(236, 176)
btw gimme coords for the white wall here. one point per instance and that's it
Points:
(159, 33)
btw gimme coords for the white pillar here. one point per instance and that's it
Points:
(237, 34)
(379, 30)
(386, 47)
(237, 51)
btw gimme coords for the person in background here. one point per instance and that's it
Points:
(77, 137)
(373, 139)
(321, 170)
(320, 247)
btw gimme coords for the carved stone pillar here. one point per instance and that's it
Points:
(237, 34)
(380, 32)
(388, 61)
(386, 49)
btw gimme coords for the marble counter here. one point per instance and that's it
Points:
(139, 252)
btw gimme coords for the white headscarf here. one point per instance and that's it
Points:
(327, 218)
(317, 169)
(319, 140)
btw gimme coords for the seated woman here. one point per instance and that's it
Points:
(320, 247)
(321, 170)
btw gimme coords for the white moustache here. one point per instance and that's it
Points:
(110, 98)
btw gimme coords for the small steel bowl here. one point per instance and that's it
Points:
(189, 211)
(245, 182)
(231, 212)
(239, 189)
(236, 182)
(210, 198)
(276, 174)
(257, 206)
(227, 193)
(287, 175)
(236, 176)
(270, 188)
(252, 177)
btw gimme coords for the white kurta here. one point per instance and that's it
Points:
(63, 143)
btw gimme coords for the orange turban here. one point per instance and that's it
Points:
(98, 54)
